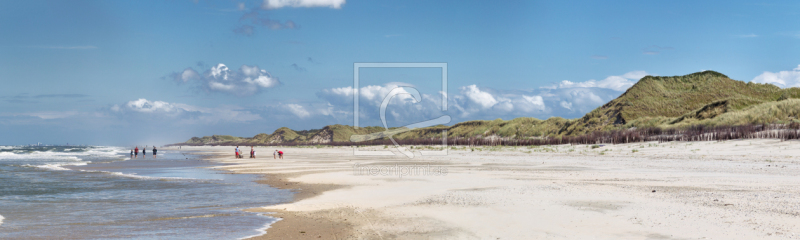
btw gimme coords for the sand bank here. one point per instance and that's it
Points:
(745, 189)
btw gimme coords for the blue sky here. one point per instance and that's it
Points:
(148, 72)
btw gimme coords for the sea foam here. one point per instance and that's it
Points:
(133, 175)
(57, 166)
(263, 230)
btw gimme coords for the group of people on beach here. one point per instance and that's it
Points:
(135, 152)
(239, 154)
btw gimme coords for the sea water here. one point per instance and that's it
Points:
(100, 192)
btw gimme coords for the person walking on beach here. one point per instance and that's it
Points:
(136, 152)
(155, 151)
(237, 151)
(275, 154)
(280, 154)
(252, 152)
(131, 153)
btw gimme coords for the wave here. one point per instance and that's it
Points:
(38, 155)
(73, 154)
(1, 220)
(56, 166)
(133, 175)
(263, 230)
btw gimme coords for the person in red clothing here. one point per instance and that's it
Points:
(280, 154)
(136, 152)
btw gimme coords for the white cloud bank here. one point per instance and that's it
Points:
(470, 101)
(275, 4)
(566, 99)
(784, 79)
(248, 80)
(616, 83)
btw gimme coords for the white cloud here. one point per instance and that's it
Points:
(143, 109)
(616, 83)
(274, 4)
(248, 80)
(471, 101)
(298, 110)
(142, 105)
(567, 105)
(784, 79)
(475, 95)
(567, 99)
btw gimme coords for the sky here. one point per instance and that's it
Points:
(158, 72)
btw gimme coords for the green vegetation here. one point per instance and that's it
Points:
(705, 98)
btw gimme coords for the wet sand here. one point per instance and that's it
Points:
(744, 189)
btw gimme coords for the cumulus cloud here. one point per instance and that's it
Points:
(259, 16)
(567, 99)
(572, 99)
(471, 102)
(275, 4)
(180, 113)
(248, 80)
(474, 101)
(784, 79)
(298, 110)
(617, 83)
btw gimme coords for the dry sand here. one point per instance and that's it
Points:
(744, 189)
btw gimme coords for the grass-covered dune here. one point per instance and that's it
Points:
(707, 98)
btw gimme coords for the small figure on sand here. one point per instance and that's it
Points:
(131, 153)
(275, 154)
(252, 152)
(155, 151)
(237, 151)
(280, 154)
(136, 152)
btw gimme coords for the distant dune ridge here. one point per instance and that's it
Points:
(705, 99)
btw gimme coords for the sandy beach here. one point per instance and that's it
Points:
(744, 189)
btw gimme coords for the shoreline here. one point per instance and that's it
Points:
(740, 189)
(289, 224)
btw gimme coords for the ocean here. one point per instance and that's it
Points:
(100, 192)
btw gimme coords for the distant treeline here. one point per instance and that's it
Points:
(694, 133)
